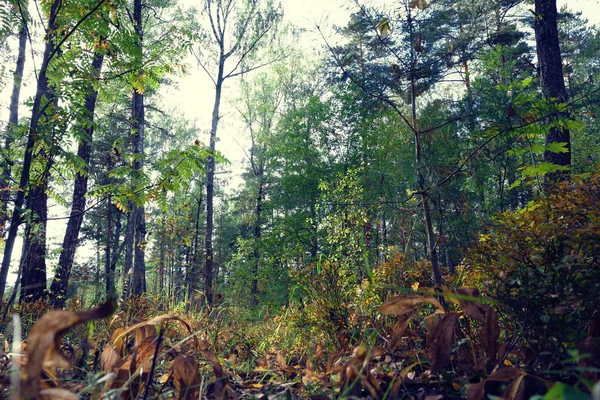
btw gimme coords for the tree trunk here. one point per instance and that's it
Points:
(108, 275)
(553, 83)
(431, 239)
(38, 112)
(193, 268)
(33, 280)
(210, 187)
(78, 204)
(128, 243)
(138, 281)
(257, 236)
(13, 119)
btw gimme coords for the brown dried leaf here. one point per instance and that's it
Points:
(516, 390)
(43, 342)
(134, 369)
(473, 309)
(489, 334)
(442, 341)
(151, 322)
(399, 328)
(186, 378)
(281, 361)
(506, 374)
(109, 358)
(144, 332)
(476, 391)
(431, 323)
(400, 305)
(57, 394)
(118, 340)
(221, 388)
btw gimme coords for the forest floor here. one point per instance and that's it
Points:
(416, 348)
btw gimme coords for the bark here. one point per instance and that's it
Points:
(33, 280)
(110, 279)
(128, 243)
(69, 246)
(138, 281)
(38, 113)
(193, 267)
(210, 187)
(257, 237)
(13, 119)
(553, 83)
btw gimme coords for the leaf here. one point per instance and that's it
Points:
(220, 388)
(44, 342)
(506, 374)
(399, 328)
(57, 394)
(562, 391)
(470, 303)
(476, 391)
(516, 390)
(186, 378)
(490, 333)
(442, 341)
(153, 321)
(400, 305)
(109, 358)
(557, 147)
(420, 4)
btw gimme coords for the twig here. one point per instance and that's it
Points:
(149, 381)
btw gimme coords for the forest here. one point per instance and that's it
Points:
(402, 206)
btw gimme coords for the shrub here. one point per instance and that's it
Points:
(543, 264)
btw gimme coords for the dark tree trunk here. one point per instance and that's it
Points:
(33, 280)
(138, 281)
(210, 190)
(553, 83)
(108, 274)
(13, 119)
(193, 267)
(128, 243)
(257, 237)
(61, 279)
(38, 113)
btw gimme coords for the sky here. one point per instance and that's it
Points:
(194, 93)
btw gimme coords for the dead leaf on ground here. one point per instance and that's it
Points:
(44, 340)
(442, 341)
(186, 378)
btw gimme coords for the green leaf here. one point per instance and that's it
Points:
(560, 391)
(557, 147)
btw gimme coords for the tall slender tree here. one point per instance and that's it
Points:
(237, 29)
(78, 204)
(13, 118)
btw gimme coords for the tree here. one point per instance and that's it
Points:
(553, 84)
(13, 119)
(78, 204)
(237, 28)
(40, 114)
